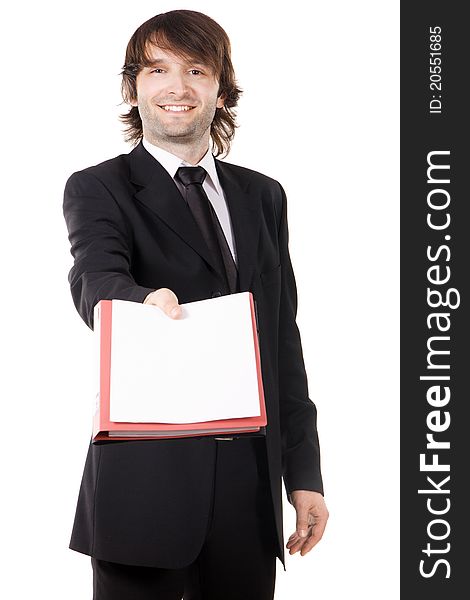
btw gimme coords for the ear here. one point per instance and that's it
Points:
(220, 101)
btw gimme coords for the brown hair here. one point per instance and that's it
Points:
(188, 34)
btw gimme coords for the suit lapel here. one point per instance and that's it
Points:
(160, 194)
(244, 212)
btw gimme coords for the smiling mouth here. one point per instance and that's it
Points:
(176, 108)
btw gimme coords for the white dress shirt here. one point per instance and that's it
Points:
(211, 185)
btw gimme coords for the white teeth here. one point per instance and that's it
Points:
(177, 108)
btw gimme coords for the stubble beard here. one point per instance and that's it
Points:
(158, 129)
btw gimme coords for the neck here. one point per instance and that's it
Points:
(191, 153)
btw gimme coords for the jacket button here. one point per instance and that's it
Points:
(216, 294)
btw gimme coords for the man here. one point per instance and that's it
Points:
(200, 516)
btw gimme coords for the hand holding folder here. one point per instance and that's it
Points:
(166, 300)
(161, 377)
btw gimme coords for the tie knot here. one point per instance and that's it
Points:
(188, 175)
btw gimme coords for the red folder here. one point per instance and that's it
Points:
(104, 429)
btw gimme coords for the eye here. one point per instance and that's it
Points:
(156, 70)
(196, 71)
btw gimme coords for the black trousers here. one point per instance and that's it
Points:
(238, 558)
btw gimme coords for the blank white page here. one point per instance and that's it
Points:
(201, 367)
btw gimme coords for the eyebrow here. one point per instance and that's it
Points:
(164, 61)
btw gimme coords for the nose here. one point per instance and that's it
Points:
(177, 84)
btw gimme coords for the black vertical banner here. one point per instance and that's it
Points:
(435, 301)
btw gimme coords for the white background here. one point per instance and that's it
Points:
(320, 115)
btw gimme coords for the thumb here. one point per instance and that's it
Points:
(166, 300)
(302, 521)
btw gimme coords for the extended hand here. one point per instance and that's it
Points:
(312, 516)
(165, 299)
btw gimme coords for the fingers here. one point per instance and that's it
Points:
(166, 300)
(303, 532)
(316, 535)
(302, 524)
(295, 543)
(316, 524)
(305, 544)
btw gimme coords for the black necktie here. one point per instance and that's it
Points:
(203, 212)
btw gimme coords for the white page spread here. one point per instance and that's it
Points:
(201, 367)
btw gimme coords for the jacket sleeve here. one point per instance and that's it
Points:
(298, 415)
(101, 246)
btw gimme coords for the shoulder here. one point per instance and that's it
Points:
(104, 174)
(268, 189)
(250, 177)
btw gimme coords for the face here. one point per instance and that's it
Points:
(177, 100)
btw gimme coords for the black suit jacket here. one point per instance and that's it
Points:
(146, 502)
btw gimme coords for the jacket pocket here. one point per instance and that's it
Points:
(271, 276)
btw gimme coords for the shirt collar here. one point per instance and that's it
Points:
(171, 163)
